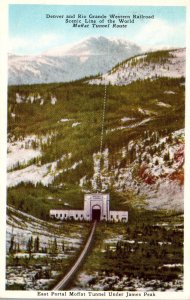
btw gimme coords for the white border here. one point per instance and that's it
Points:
(3, 136)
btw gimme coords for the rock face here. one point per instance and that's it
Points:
(89, 57)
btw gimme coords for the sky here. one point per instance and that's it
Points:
(31, 33)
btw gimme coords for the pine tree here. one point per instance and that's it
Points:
(53, 246)
(11, 248)
(167, 156)
(36, 244)
(156, 162)
(63, 246)
(30, 245)
(18, 247)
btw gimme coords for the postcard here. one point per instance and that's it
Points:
(95, 139)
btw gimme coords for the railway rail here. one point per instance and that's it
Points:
(67, 278)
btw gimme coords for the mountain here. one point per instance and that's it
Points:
(88, 57)
(162, 63)
(55, 133)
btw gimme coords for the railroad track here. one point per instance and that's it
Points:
(67, 278)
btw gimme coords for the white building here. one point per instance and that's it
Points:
(96, 207)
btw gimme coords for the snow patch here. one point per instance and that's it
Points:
(21, 152)
(53, 100)
(159, 103)
(169, 92)
(126, 119)
(63, 120)
(76, 124)
(18, 98)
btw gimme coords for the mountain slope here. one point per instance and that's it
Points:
(89, 57)
(57, 128)
(163, 63)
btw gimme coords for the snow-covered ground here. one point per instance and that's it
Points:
(25, 226)
(21, 152)
(21, 155)
(43, 271)
(137, 124)
(98, 172)
(44, 174)
(33, 98)
(160, 183)
(138, 68)
(34, 174)
(101, 282)
(76, 124)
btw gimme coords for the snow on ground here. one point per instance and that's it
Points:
(76, 124)
(44, 174)
(33, 173)
(63, 120)
(157, 182)
(168, 195)
(125, 74)
(162, 104)
(38, 275)
(114, 240)
(165, 192)
(27, 277)
(98, 281)
(33, 97)
(75, 165)
(173, 265)
(46, 231)
(21, 152)
(169, 92)
(126, 119)
(53, 100)
(140, 123)
(144, 112)
(22, 157)
(18, 98)
(82, 181)
(13, 115)
(102, 173)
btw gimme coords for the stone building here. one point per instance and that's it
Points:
(96, 207)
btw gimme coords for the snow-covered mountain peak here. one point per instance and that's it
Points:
(70, 62)
(92, 46)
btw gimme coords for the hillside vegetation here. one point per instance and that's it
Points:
(57, 129)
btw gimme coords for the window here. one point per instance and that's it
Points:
(111, 217)
(65, 215)
(81, 216)
(104, 216)
(117, 216)
(56, 215)
(60, 215)
(76, 216)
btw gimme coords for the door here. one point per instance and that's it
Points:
(96, 213)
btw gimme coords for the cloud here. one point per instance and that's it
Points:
(32, 45)
(47, 39)
(157, 32)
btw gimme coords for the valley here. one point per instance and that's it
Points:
(54, 158)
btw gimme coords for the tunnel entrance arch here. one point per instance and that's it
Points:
(96, 213)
